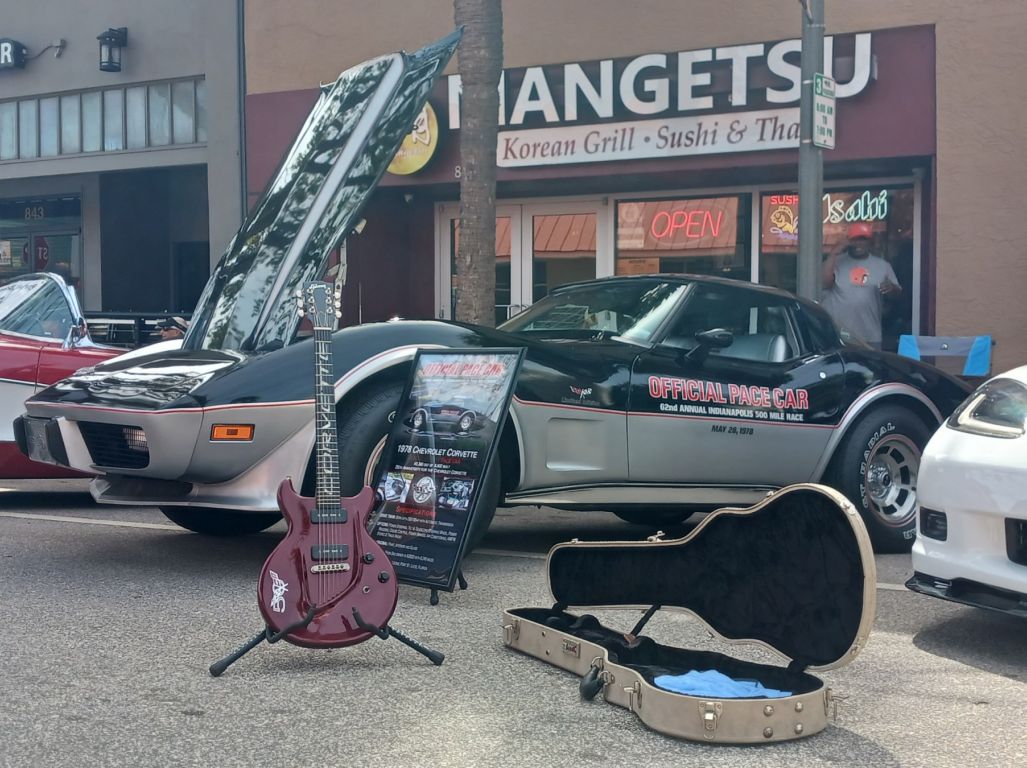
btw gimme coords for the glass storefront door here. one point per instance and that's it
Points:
(40, 235)
(562, 242)
(538, 247)
(509, 300)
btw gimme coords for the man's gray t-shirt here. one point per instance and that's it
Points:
(855, 300)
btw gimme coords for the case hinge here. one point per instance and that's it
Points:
(710, 712)
(511, 631)
(658, 536)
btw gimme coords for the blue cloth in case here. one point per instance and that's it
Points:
(717, 685)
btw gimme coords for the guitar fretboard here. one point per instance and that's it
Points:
(328, 487)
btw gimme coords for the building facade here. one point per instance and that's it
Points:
(127, 182)
(646, 137)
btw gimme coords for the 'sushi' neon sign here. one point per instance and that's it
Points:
(693, 224)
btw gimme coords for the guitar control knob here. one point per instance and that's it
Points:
(368, 558)
(383, 576)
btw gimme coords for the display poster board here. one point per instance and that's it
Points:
(443, 438)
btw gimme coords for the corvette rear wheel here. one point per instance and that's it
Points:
(220, 522)
(363, 432)
(877, 467)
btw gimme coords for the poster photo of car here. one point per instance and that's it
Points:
(442, 441)
(455, 493)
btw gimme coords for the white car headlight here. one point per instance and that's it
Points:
(996, 409)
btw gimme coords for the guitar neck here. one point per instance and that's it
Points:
(328, 485)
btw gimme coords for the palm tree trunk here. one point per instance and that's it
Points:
(480, 61)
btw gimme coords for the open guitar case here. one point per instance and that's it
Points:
(794, 573)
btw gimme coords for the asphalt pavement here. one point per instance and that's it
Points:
(110, 616)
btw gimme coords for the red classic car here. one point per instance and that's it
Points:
(43, 339)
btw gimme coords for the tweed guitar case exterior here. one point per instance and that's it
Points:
(794, 573)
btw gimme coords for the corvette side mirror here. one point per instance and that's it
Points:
(714, 338)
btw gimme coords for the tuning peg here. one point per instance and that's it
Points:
(299, 293)
(300, 312)
(338, 314)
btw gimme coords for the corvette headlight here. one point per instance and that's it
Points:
(996, 409)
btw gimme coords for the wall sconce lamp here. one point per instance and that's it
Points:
(111, 43)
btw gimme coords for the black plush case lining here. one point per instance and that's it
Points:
(788, 573)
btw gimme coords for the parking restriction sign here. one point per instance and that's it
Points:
(823, 111)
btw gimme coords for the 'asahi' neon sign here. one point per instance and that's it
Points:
(866, 207)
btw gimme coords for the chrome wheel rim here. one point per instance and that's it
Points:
(418, 420)
(465, 423)
(889, 479)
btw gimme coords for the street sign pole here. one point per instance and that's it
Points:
(811, 162)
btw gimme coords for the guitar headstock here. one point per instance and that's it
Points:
(322, 302)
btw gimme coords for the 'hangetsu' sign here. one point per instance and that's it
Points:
(737, 98)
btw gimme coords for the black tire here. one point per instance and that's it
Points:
(211, 521)
(876, 467)
(653, 517)
(363, 429)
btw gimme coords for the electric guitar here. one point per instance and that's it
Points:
(328, 584)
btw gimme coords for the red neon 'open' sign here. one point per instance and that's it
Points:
(693, 224)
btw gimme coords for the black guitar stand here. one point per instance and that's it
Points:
(434, 598)
(218, 667)
(384, 632)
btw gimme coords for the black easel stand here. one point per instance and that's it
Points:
(460, 580)
(384, 632)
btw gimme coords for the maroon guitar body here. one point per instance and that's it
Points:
(328, 570)
(332, 566)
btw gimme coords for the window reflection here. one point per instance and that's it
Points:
(889, 213)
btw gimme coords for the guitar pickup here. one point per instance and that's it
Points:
(329, 552)
(328, 516)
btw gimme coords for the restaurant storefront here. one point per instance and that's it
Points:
(633, 140)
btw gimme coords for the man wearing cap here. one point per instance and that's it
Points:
(172, 328)
(855, 282)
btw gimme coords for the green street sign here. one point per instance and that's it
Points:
(823, 111)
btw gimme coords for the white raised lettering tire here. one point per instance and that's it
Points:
(876, 467)
(363, 426)
(220, 522)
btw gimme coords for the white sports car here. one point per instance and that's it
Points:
(971, 544)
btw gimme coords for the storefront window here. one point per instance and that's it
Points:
(889, 213)
(702, 236)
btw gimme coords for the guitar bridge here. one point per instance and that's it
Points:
(329, 567)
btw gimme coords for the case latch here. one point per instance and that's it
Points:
(710, 712)
(634, 696)
(511, 631)
(658, 536)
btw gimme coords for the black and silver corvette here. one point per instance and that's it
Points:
(649, 396)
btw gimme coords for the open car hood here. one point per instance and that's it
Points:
(344, 147)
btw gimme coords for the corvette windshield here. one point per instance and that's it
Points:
(631, 309)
